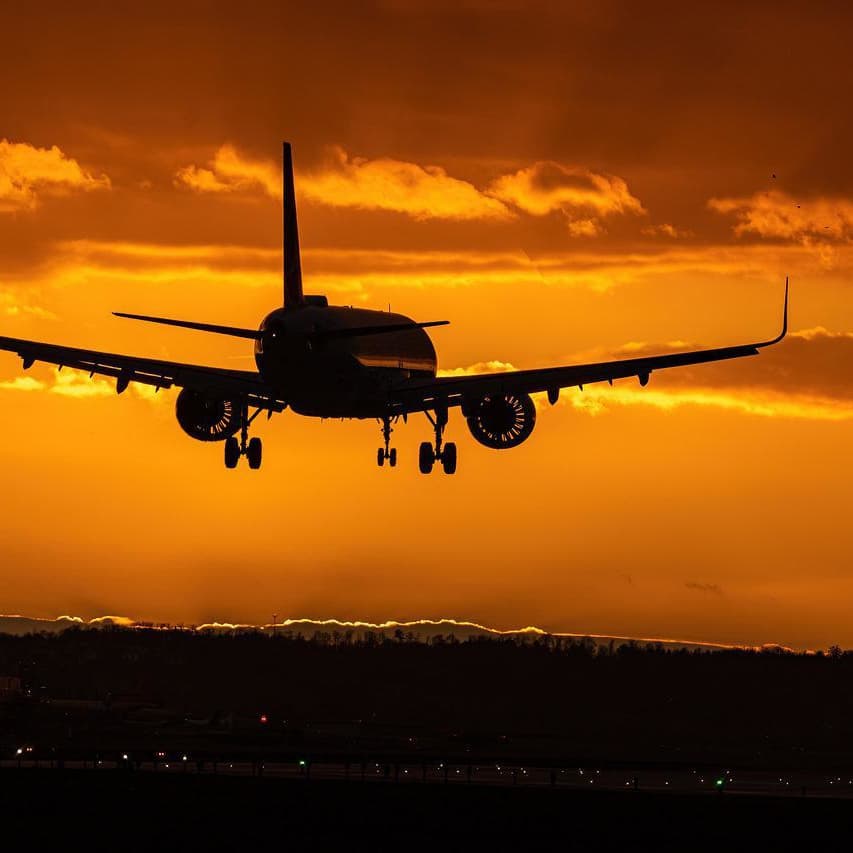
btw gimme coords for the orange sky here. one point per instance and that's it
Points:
(562, 182)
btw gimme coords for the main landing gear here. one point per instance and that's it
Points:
(428, 454)
(252, 448)
(386, 452)
(446, 454)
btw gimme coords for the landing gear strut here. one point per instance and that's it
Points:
(386, 452)
(252, 448)
(444, 453)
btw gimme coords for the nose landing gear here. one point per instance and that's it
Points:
(252, 448)
(386, 452)
(444, 453)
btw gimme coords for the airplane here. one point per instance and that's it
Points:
(331, 361)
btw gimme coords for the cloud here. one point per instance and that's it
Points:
(22, 383)
(27, 173)
(806, 377)
(74, 383)
(812, 363)
(585, 228)
(478, 368)
(422, 192)
(581, 195)
(778, 215)
(231, 172)
(664, 229)
(427, 192)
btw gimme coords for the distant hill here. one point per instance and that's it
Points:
(420, 630)
(19, 625)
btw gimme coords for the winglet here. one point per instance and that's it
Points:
(784, 331)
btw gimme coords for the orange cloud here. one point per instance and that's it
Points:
(423, 192)
(805, 377)
(479, 367)
(777, 214)
(230, 172)
(22, 383)
(585, 227)
(75, 383)
(583, 196)
(27, 173)
(596, 400)
(666, 230)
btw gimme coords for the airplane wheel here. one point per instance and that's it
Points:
(426, 457)
(232, 452)
(392, 457)
(380, 457)
(254, 452)
(448, 458)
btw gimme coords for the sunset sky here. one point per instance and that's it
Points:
(563, 182)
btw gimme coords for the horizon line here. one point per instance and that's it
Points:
(529, 630)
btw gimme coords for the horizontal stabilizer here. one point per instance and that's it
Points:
(252, 334)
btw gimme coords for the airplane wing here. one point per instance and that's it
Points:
(419, 395)
(147, 371)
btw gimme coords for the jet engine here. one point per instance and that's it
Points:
(502, 422)
(206, 418)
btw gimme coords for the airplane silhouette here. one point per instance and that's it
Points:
(334, 361)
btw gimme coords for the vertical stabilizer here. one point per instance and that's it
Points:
(292, 263)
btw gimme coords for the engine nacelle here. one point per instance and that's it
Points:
(502, 422)
(206, 418)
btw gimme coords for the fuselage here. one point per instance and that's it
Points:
(322, 375)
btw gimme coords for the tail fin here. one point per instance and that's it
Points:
(292, 265)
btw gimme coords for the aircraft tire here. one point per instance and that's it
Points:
(448, 458)
(232, 452)
(255, 453)
(426, 457)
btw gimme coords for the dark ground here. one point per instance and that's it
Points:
(543, 702)
(120, 810)
(764, 723)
